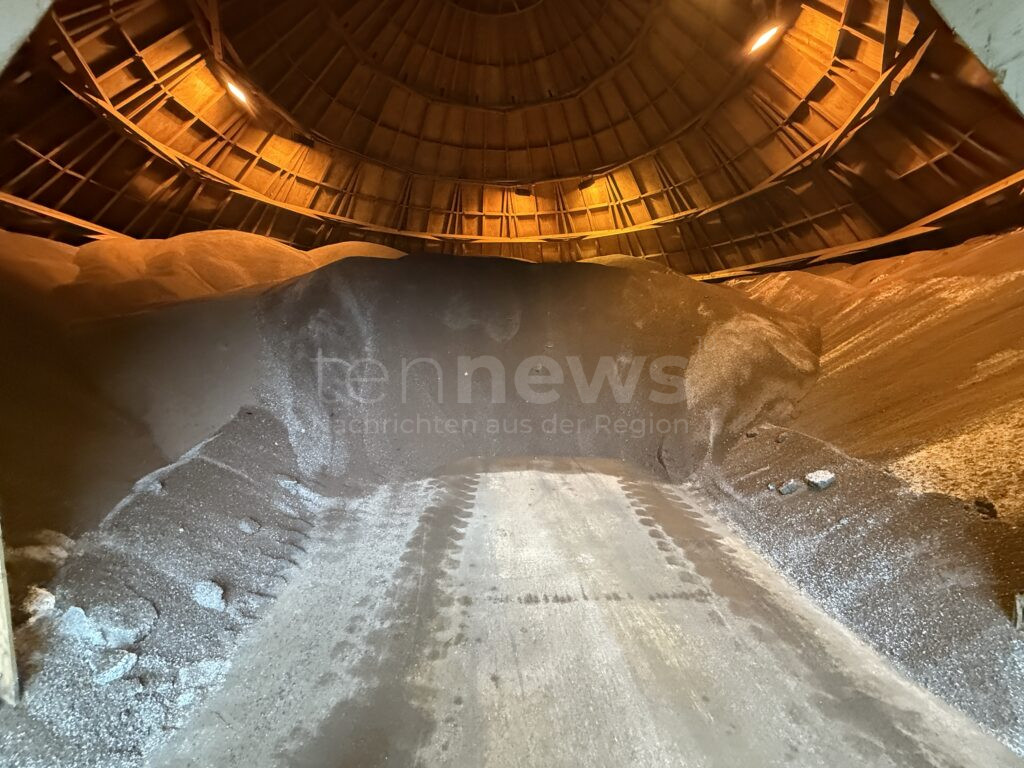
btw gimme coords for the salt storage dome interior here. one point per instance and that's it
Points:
(511, 382)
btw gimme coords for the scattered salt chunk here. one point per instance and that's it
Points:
(821, 479)
(209, 595)
(114, 666)
(76, 625)
(124, 624)
(248, 525)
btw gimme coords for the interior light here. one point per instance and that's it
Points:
(238, 94)
(765, 38)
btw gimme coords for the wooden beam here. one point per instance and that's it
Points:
(8, 662)
(927, 225)
(893, 25)
(904, 67)
(88, 227)
(207, 16)
(1004, 185)
(822, 256)
(89, 82)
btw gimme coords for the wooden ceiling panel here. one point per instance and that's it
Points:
(474, 126)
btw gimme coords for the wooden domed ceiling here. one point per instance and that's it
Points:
(489, 92)
(550, 130)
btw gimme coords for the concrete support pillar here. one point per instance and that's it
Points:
(994, 30)
(17, 20)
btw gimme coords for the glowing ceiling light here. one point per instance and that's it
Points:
(765, 38)
(238, 94)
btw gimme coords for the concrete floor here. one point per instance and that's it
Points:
(557, 614)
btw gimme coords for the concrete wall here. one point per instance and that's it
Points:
(17, 19)
(994, 29)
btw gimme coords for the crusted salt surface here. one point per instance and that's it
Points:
(310, 499)
(153, 483)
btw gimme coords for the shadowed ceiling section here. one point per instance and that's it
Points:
(550, 130)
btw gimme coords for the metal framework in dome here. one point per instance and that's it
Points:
(550, 130)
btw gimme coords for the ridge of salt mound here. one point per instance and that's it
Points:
(122, 275)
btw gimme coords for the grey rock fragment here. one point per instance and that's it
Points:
(790, 487)
(821, 479)
(1018, 612)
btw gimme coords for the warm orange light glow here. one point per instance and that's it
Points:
(238, 93)
(765, 38)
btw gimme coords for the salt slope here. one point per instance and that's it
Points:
(926, 583)
(202, 546)
(922, 364)
(118, 275)
(107, 400)
(98, 391)
(920, 370)
(567, 324)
